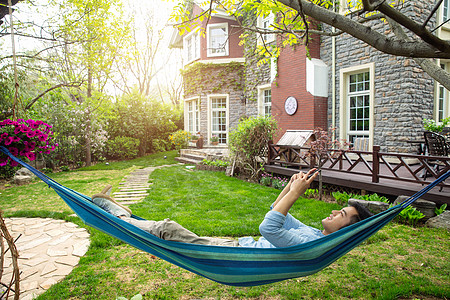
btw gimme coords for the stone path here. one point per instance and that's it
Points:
(49, 249)
(135, 186)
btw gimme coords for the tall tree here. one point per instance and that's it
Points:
(94, 32)
(146, 52)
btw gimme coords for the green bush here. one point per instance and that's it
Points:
(279, 182)
(440, 210)
(266, 179)
(342, 197)
(65, 168)
(311, 193)
(410, 215)
(216, 163)
(180, 139)
(431, 125)
(7, 171)
(122, 147)
(160, 145)
(248, 143)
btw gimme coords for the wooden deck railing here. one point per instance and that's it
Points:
(396, 166)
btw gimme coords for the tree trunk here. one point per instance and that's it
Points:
(88, 125)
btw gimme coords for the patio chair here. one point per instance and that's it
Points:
(436, 146)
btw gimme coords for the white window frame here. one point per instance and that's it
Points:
(445, 11)
(195, 38)
(196, 115)
(344, 111)
(227, 112)
(261, 94)
(208, 39)
(264, 22)
(441, 93)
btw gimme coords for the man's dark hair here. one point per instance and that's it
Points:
(363, 213)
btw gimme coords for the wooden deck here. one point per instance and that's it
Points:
(392, 173)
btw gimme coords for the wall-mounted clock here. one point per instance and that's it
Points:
(290, 105)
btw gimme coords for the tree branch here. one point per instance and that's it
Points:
(367, 34)
(430, 67)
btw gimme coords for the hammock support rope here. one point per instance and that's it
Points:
(235, 266)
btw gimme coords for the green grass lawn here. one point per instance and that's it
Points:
(399, 262)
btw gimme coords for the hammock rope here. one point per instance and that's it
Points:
(236, 266)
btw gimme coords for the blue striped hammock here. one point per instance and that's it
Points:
(236, 266)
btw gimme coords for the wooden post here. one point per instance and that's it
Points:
(376, 164)
(269, 151)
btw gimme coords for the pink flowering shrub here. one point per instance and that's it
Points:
(25, 139)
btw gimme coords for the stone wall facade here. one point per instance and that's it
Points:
(203, 80)
(403, 92)
(255, 75)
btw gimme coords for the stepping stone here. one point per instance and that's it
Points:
(48, 283)
(131, 192)
(34, 244)
(60, 240)
(128, 202)
(128, 199)
(68, 260)
(48, 268)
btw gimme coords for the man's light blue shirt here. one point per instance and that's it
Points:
(278, 230)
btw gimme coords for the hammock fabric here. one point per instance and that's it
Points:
(236, 266)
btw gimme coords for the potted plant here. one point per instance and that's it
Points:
(214, 139)
(194, 138)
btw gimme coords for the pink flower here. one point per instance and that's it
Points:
(9, 140)
(31, 134)
(25, 128)
(31, 155)
(13, 163)
(3, 161)
(14, 151)
(4, 135)
(42, 137)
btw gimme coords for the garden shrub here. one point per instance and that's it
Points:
(140, 117)
(248, 143)
(180, 139)
(159, 145)
(216, 163)
(122, 147)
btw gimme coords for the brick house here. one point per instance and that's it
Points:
(346, 84)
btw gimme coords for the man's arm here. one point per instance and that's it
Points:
(288, 186)
(297, 186)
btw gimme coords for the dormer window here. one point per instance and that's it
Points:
(217, 38)
(192, 46)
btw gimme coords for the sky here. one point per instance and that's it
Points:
(161, 9)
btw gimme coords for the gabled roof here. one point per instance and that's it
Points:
(176, 40)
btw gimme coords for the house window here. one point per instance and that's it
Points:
(267, 102)
(264, 23)
(217, 36)
(441, 103)
(192, 46)
(219, 118)
(445, 11)
(264, 100)
(358, 106)
(193, 115)
(356, 115)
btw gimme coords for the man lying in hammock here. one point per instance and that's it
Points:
(279, 228)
